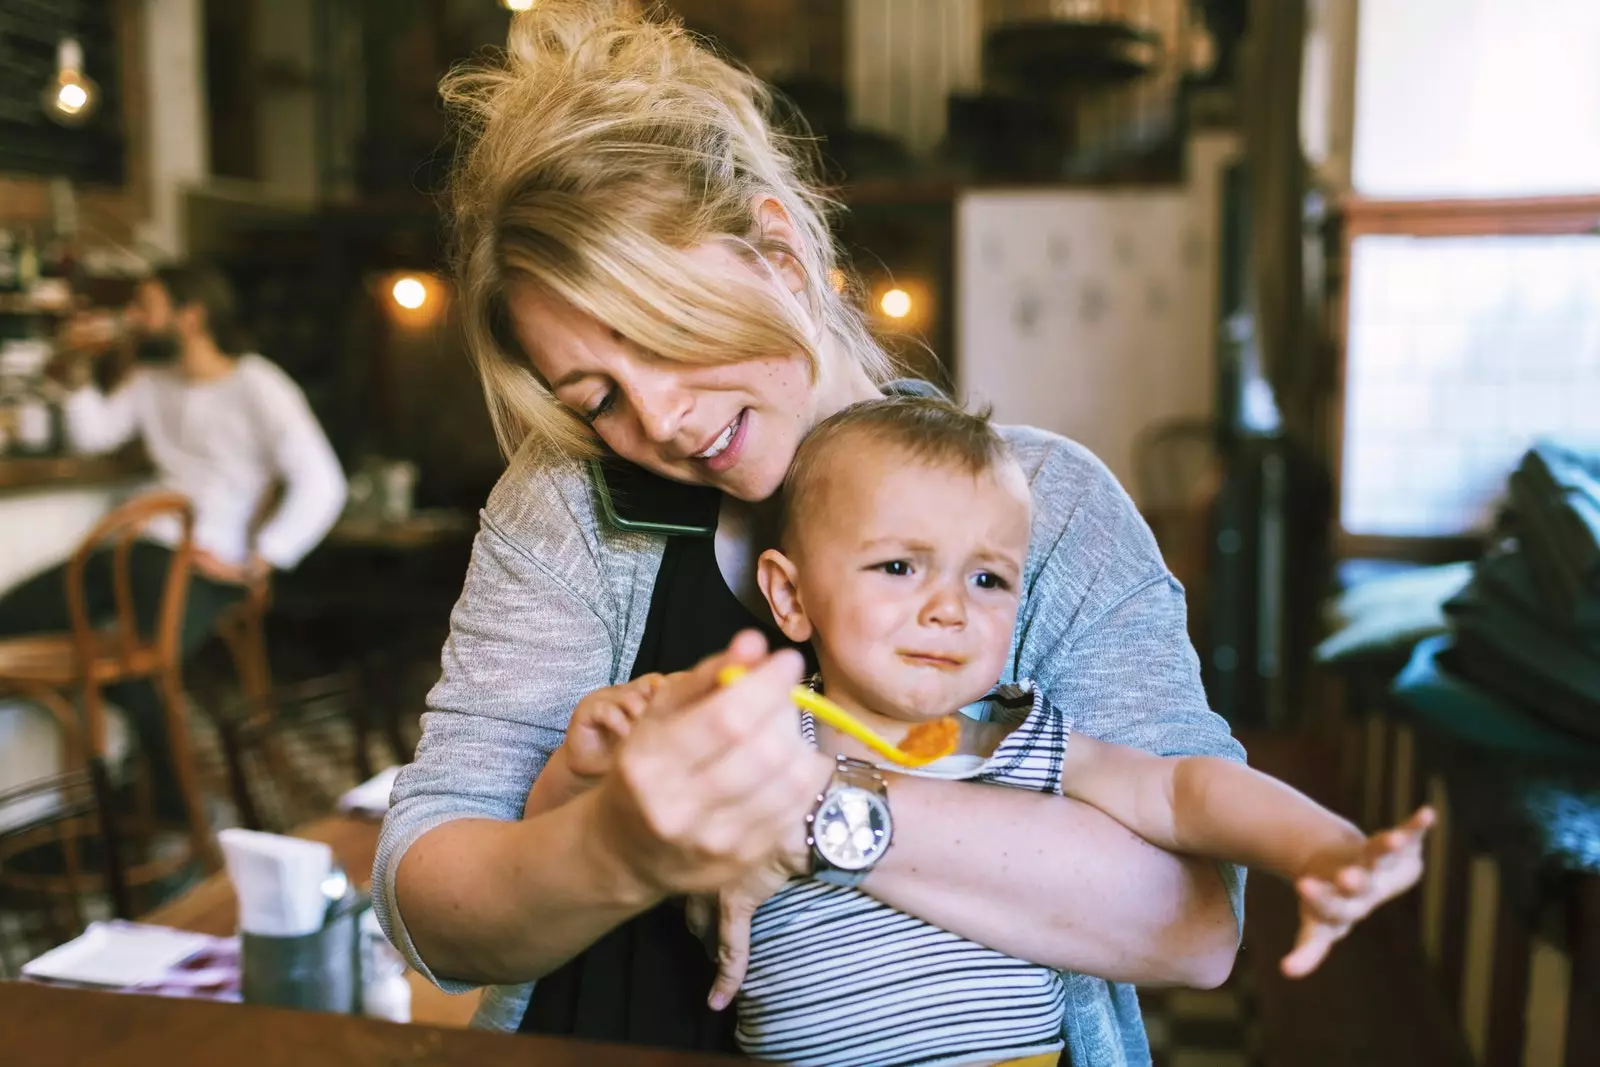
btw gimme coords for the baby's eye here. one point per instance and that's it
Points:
(897, 568)
(989, 580)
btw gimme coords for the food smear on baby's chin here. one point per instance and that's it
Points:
(929, 741)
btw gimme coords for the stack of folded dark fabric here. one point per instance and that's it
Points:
(1527, 627)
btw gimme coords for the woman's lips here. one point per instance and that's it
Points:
(723, 460)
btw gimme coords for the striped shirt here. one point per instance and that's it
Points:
(838, 978)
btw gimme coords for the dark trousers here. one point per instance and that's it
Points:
(39, 605)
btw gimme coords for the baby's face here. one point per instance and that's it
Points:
(910, 575)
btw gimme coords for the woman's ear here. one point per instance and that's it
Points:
(775, 226)
(776, 574)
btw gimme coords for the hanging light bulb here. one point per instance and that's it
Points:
(409, 292)
(71, 96)
(896, 303)
(518, 5)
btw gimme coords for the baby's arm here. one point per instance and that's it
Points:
(600, 723)
(1224, 810)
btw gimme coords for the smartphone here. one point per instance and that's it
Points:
(634, 499)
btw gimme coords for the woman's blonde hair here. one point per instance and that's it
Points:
(605, 144)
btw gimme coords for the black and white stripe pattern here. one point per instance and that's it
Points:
(837, 978)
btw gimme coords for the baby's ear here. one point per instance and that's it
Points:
(777, 574)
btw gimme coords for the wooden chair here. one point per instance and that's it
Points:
(60, 862)
(325, 720)
(47, 667)
(243, 627)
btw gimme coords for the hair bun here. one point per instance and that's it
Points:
(601, 39)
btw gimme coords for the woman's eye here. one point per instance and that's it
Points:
(897, 568)
(990, 580)
(600, 408)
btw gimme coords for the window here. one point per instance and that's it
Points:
(1460, 351)
(1471, 304)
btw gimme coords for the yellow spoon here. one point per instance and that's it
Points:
(922, 744)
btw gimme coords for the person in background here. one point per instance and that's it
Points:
(223, 426)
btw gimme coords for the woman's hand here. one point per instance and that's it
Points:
(714, 780)
(1339, 890)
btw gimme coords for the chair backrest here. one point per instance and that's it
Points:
(290, 766)
(259, 594)
(121, 528)
(59, 859)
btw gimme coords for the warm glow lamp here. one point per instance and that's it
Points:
(896, 303)
(409, 292)
(71, 96)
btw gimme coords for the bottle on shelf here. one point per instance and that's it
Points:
(33, 416)
(27, 263)
(10, 262)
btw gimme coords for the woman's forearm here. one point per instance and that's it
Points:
(502, 903)
(1056, 882)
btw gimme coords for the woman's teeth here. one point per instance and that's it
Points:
(723, 440)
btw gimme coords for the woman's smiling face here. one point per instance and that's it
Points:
(731, 425)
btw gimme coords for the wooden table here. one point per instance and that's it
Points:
(424, 529)
(212, 908)
(48, 1025)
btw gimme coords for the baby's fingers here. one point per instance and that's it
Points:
(614, 721)
(1326, 903)
(1408, 835)
(1310, 949)
(1353, 881)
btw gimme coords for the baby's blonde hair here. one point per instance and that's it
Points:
(601, 148)
(923, 430)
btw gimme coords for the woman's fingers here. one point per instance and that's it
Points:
(714, 778)
(682, 689)
(720, 725)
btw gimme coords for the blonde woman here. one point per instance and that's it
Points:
(642, 262)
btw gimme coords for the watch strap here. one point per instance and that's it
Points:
(848, 773)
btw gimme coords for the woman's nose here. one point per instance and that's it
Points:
(661, 404)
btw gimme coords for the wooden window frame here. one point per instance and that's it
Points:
(1363, 217)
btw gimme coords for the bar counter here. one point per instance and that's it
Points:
(21, 474)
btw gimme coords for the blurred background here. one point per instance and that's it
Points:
(1319, 281)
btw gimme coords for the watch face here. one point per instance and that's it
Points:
(851, 830)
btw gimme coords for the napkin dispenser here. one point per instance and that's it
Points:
(299, 931)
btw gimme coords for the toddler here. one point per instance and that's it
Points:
(904, 539)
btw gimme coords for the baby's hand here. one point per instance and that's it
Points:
(1338, 891)
(602, 720)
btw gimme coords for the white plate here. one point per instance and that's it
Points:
(117, 954)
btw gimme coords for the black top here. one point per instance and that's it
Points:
(646, 982)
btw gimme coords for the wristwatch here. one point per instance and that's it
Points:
(850, 828)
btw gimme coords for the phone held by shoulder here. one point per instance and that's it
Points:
(635, 500)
